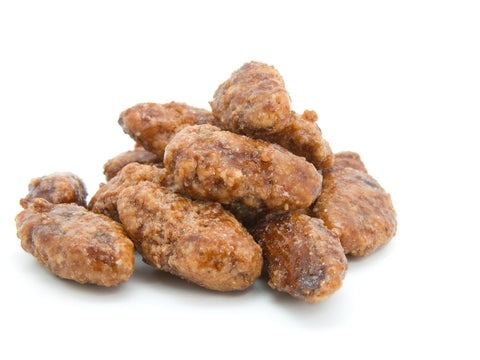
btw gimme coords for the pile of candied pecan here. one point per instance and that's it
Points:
(215, 196)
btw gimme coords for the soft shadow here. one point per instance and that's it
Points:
(91, 289)
(51, 283)
(329, 312)
(339, 307)
(161, 281)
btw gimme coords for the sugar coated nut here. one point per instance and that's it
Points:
(357, 208)
(302, 257)
(252, 101)
(104, 201)
(139, 155)
(198, 241)
(210, 164)
(152, 125)
(57, 188)
(76, 244)
(304, 138)
(349, 159)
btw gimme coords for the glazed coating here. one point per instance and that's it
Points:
(57, 188)
(349, 159)
(252, 101)
(197, 241)
(76, 244)
(138, 155)
(302, 257)
(304, 138)
(152, 125)
(357, 208)
(104, 201)
(210, 164)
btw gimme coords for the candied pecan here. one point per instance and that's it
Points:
(104, 201)
(138, 155)
(76, 244)
(210, 164)
(57, 188)
(252, 101)
(302, 257)
(304, 138)
(355, 206)
(198, 241)
(349, 159)
(152, 125)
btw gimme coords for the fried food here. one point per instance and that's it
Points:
(138, 155)
(349, 159)
(76, 244)
(302, 257)
(357, 208)
(252, 101)
(304, 138)
(209, 164)
(198, 241)
(152, 125)
(104, 201)
(57, 188)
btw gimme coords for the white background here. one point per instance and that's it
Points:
(397, 81)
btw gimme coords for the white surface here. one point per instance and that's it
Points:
(399, 82)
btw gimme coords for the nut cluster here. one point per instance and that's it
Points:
(214, 197)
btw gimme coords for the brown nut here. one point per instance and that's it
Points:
(252, 101)
(104, 201)
(76, 244)
(209, 164)
(139, 155)
(357, 208)
(349, 159)
(197, 241)
(57, 188)
(304, 138)
(302, 257)
(152, 125)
